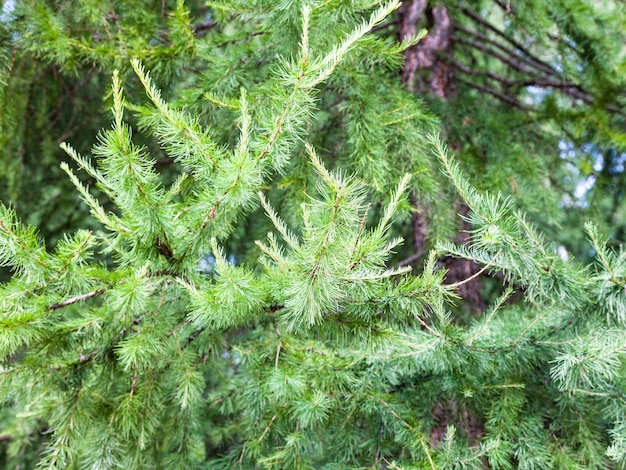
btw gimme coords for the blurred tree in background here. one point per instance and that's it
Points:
(150, 330)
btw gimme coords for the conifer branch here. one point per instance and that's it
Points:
(177, 277)
(270, 424)
(492, 311)
(538, 318)
(528, 57)
(358, 237)
(417, 434)
(600, 253)
(176, 120)
(96, 209)
(279, 223)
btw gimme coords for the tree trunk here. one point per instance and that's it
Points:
(425, 71)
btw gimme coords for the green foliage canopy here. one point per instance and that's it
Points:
(179, 333)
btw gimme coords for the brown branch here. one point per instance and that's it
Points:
(505, 6)
(502, 97)
(475, 72)
(78, 298)
(164, 161)
(203, 26)
(133, 385)
(529, 60)
(194, 335)
(411, 259)
(420, 226)
(475, 275)
(573, 90)
(385, 25)
(473, 15)
(198, 28)
(418, 221)
(493, 53)
(538, 81)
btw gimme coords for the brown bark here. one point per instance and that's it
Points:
(420, 228)
(460, 269)
(449, 412)
(426, 54)
(409, 14)
(425, 63)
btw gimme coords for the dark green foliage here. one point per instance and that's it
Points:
(237, 297)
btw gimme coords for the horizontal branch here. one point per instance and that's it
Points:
(493, 53)
(78, 298)
(473, 15)
(533, 81)
(571, 89)
(528, 60)
(484, 73)
(411, 259)
(501, 96)
(203, 26)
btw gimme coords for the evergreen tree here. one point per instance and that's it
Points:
(241, 296)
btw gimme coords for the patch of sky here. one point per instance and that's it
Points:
(583, 183)
(616, 162)
(583, 163)
(206, 264)
(536, 94)
(7, 8)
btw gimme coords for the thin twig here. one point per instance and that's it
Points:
(474, 276)
(78, 298)
(358, 237)
(514, 43)
(269, 425)
(280, 345)
(133, 385)
(411, 259)
(502, 97)
(194, 335)
(203, 26)
(529, 59)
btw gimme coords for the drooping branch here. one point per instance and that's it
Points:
(538, 62)
(527, 59)
(513, 63)
(496, 94)
(569, 87)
